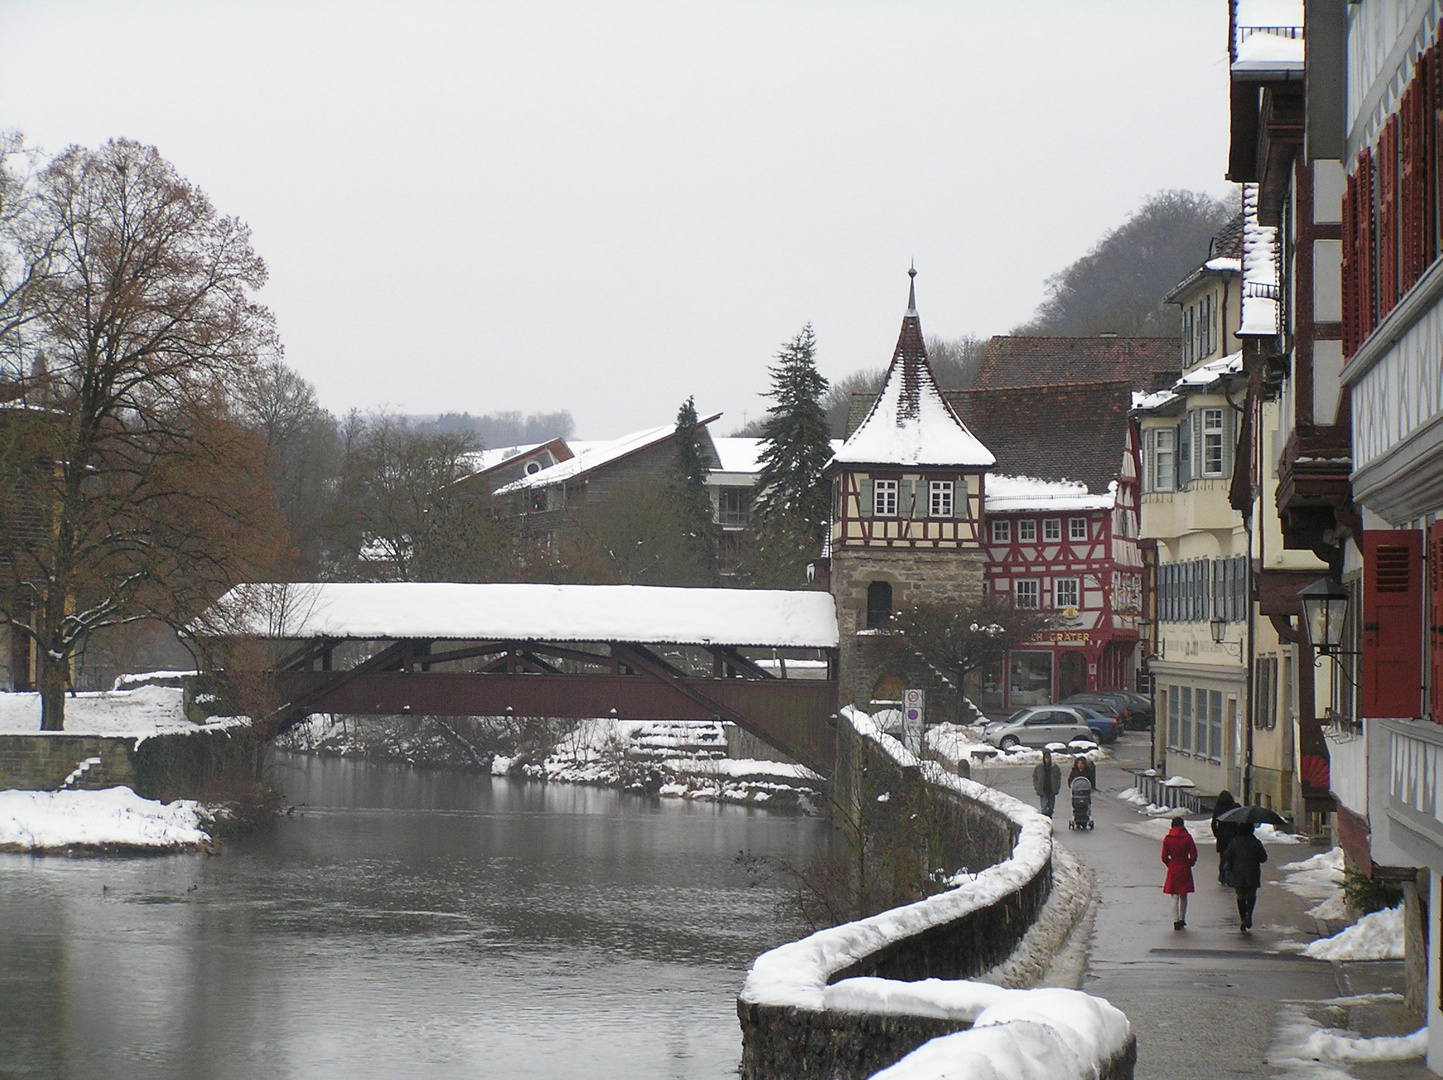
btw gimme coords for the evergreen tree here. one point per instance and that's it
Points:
(691, 496)
(791, 505)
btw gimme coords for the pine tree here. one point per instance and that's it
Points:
(791, 505)
(692, 499)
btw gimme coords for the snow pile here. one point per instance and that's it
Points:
(1261, 303)
(1378, 936)
(1139, 801)
(141, 713)
(1065, 1032)
(113, 818)
(1318, 878)
(1305, 1050)
(1022, 1035)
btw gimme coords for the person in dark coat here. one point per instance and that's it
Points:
(1243, 860)
(1047, 782)
(1223, 831)
(1179, 854)
(1081, 766)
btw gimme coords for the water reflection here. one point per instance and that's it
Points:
(400, 923)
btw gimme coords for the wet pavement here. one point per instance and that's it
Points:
(1208, 1001)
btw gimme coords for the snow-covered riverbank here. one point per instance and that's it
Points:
(112, 820)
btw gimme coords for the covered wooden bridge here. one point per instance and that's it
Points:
(764, 660)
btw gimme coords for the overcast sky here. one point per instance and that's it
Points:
(607, 207)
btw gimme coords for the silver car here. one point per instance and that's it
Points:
(1039, 725)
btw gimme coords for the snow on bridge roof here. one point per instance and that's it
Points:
(445, 611)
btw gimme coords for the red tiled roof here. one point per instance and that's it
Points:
(1144, 363)
(1068, 432)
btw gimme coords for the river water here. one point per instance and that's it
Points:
(401, 923)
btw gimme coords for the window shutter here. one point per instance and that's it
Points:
(865, 509)
(1149, 450)
(1392, 660)
(1182, 467)
(1435, 621)
(1230, 439)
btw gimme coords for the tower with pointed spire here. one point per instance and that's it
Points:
(907, 490)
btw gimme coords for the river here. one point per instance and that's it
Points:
(401, 923)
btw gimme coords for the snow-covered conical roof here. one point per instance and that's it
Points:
(911, 423)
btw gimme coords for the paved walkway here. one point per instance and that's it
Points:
(1206, 1002)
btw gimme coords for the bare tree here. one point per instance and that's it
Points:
(392, 474)
(129, 490)
(962, 638)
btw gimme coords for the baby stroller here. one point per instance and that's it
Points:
(1081, 804)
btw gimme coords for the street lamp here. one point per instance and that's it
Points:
(1325, 613)
(1219, 627)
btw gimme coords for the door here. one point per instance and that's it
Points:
(1071, 674)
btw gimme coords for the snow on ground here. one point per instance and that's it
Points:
(112, 818)
(1305, 1050)
(1318, 878)
(952, 743)
(1378, 936)
(1202, 829)
(150, 710)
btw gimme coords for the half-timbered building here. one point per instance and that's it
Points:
(1061, 535)
(907, 491)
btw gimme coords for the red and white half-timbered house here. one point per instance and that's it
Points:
(1061, 534)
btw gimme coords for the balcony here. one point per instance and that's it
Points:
(1202, 505)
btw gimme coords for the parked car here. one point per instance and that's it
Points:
(1038, 725)
(1105, 728)
(1134, 710)
(1115, 714)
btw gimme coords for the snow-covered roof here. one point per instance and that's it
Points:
(590, 456)
(910, 423)
(1198, 378)
(1261, 290)
(1263, 53)
(1006, 493)
(738, 454)
(447, 611)
(1233, 265)
(481, 460)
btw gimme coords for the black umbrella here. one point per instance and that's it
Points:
(1252, 815)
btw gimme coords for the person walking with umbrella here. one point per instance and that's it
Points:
(1179, 854)
(1047, 782)
(1223, 831)
(1244, 856)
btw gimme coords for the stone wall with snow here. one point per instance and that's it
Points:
(854, 999)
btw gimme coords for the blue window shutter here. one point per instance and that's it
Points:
(866, 507)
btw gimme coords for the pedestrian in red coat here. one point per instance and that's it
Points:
(1179, 854)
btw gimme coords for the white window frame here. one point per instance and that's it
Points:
(1077, 528)
(1052, 530)
(1027, 594)
(1001, 531)
(1164, 459)
(941, 498)
(1066, 592)
(884, 498)
(1214, 443)
(1027, 530)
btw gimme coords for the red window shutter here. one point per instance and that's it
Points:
(1435, 622)
(1350, 267)
(1392, 660)
(1366, 252)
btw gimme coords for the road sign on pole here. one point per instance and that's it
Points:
(913, 710)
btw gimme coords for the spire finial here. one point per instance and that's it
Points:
(912, 290)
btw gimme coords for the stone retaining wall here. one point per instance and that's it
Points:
(183, 765)
(828, 1006)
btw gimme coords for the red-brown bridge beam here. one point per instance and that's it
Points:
(793, 715)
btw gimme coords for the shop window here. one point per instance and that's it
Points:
(1030, 678)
